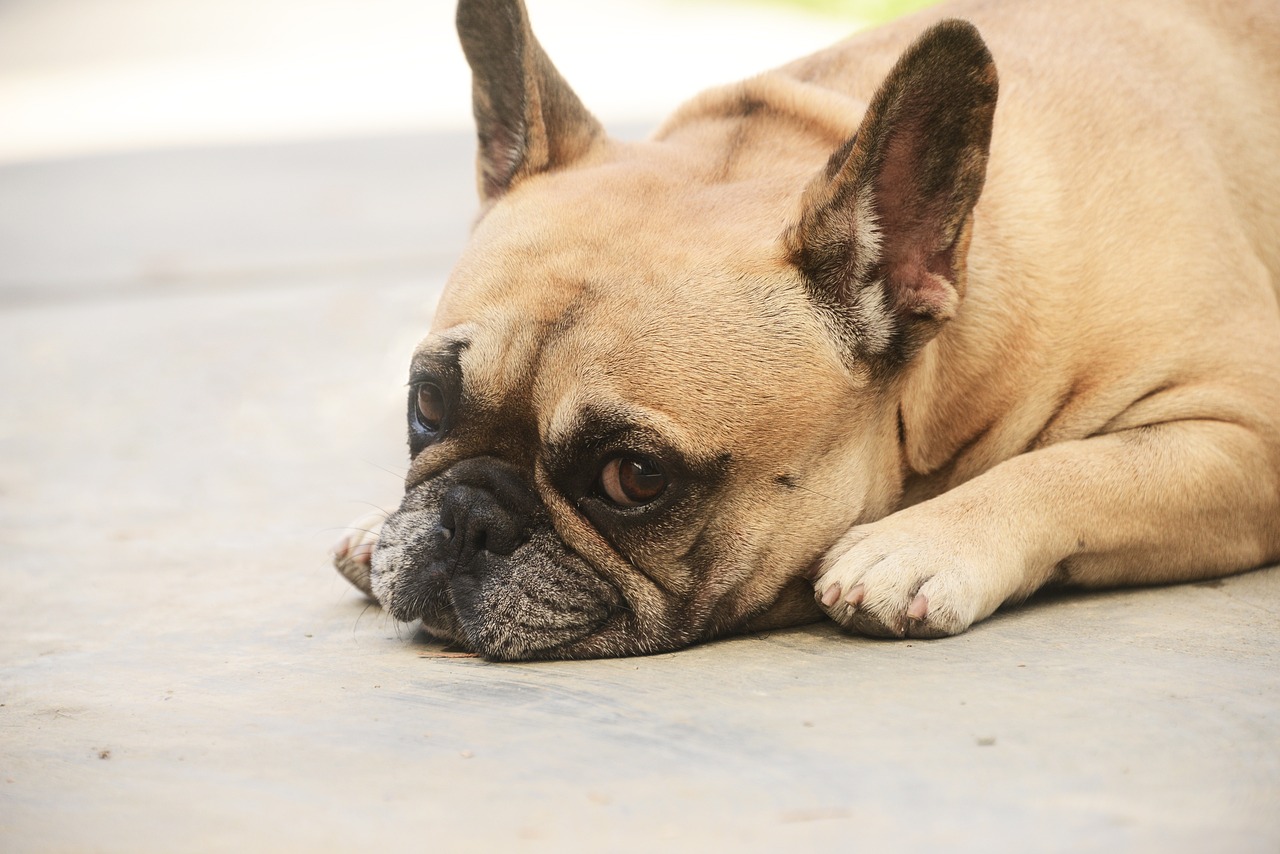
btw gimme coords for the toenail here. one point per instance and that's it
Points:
(919, 608)
(831, 596)
(856, 595)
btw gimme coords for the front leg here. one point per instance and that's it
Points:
(1171, 502)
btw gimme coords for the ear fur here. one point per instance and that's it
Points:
(528, 120)
(883, 230)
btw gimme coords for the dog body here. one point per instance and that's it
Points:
(850, 338)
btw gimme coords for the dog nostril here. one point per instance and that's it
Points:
(474, 521)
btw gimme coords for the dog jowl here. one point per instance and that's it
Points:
(884, 335)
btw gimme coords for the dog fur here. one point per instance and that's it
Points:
(910, 338)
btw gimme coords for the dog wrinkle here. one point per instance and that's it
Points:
(1061, 575)
(1057, 414)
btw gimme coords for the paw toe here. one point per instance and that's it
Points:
(353, 554)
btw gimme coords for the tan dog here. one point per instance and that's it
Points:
(855, 320)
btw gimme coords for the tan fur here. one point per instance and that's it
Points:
(1102, 406)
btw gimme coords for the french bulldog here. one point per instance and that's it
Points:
(880, 335)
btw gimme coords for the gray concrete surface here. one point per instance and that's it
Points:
(180, 668)
(156, 221)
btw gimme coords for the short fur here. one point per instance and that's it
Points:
(909, 338)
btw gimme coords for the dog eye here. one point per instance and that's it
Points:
(430, 407)
(630, 481)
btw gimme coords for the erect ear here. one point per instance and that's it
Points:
(527, 118)
(884, 229)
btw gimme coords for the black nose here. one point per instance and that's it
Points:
(489, 509)
(474, 521)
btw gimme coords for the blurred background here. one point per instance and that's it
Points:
(149, 143)
(224, 225)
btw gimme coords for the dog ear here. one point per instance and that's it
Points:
(528, 120)
(884, 229)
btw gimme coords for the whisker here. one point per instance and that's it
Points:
(398, 475)
(815, 492)
(384, 511)
(347, 528)
(361, 615)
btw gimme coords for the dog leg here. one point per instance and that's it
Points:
(353, 553)
(1170, 502)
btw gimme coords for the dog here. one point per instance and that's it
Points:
(882, 335)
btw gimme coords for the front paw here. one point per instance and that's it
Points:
(353, 554)
(887, 580)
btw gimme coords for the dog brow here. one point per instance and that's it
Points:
(593, 428)
(446, 356)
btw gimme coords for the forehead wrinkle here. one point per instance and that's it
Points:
(563, 423)
(555, 389)
(505, 350)
(484, 371)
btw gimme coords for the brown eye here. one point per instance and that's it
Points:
(630, 481)
(430, 407)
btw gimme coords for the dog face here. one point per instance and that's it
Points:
(644, 435)
(652, 396)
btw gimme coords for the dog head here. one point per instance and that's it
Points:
(661, 381)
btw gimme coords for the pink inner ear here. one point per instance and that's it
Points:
(924, 294)
(500, 157)
(916, 255)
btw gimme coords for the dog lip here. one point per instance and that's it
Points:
(433, 631)
(442, 590)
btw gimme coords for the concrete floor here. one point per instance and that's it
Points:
(197, 395)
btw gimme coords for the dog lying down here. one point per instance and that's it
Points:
(871, 336)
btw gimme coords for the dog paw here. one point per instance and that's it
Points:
(884, 582)
(353, 553)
